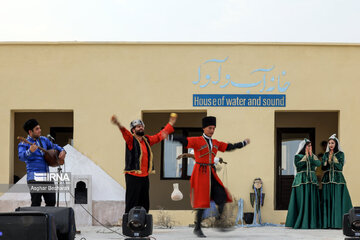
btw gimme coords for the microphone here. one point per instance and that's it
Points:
(50, 138)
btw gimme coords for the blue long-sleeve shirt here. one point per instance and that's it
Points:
(35, 162)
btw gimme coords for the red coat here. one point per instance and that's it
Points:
(200, 183)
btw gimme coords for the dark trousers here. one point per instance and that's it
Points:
(49, 195)
(217, 192)
(137, 192)
(218, 195)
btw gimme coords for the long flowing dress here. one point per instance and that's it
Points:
(335, 195)
(304, 206)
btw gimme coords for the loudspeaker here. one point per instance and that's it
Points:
(64, 220)
(346, 226)
(27, 226)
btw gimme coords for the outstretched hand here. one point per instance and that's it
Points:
(173, 117)
(247, 140)
(222, 161)
(186, 155)
(114, 120)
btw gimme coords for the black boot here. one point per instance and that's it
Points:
(221, 222)
(221, 209)
(197, 231)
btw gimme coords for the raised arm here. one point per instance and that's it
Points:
(115, 121)
(128, 137)
(231, 147)
(168, 129)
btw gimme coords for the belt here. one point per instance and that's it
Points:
(203, 166)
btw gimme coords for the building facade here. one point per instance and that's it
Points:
(274, 94)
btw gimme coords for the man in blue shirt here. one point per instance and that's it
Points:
(35, 162)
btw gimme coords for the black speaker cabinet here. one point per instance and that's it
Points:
(64, 220)
(27, 226)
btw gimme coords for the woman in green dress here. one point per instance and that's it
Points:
(335, 195)
(304, 206)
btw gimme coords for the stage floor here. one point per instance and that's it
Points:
(179, 233)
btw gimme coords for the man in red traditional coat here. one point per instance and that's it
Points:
(205, 183)
(139, 160)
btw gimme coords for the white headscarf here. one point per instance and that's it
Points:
(301, 145)
(333, 137)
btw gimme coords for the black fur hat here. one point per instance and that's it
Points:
(30, 124)
(208, 121)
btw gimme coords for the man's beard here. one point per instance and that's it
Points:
(139, 133)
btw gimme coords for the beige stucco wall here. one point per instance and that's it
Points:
(96, 80)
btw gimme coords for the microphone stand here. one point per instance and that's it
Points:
(59, 170)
